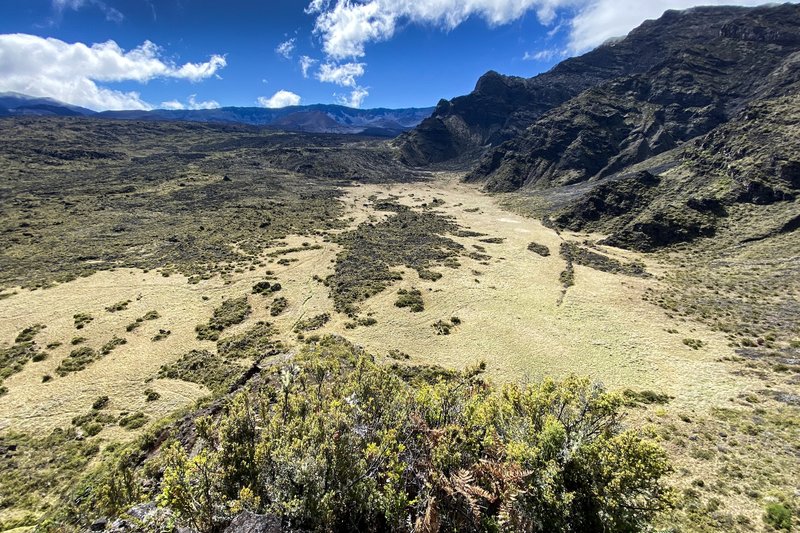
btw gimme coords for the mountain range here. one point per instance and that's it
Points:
(651, 138)
(318, 118)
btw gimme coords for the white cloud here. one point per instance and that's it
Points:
(355, 98)
(207, 104)
(286, 48)
(191, 103)
(600, 20)
(70, 72)
(344, 74)
(172, 105)
(111, 14)
(543, 55)
(279, 99)
(347, 26)
(305, 64)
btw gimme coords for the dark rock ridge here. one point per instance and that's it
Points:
(502, 107)
(631, 118)
(652, 137)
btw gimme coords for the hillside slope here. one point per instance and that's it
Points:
(502, 107)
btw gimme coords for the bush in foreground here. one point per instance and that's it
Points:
(331, 441)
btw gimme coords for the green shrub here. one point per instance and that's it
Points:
(694, 344)
(77, 360)
(411, 298)
(150, 395)
(278, 306)
(112, 344)
(253, 343)
(81, 319)
(161, 335)
(202, 367)
(229, 313)
(133, 421)
(101, 402)
(332, 441)
(778, 516)
(540, 249)
(119, 306)
(312, 323)
(27, 334)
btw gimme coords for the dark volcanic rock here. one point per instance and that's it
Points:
(502, 107)
(610, 200)
(700, 84)
(247, 522)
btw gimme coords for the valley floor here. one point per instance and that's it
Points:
(513, 312)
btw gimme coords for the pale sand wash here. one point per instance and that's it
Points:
(511, 318)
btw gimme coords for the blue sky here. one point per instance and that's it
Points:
(368, 53)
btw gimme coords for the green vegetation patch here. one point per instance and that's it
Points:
(585, 257)
(445, 327)
(81, 319)
(27, 334)
(645, 397)
(161, 200)
(161, 335)
(108, 347)
(119, 306)
(278, 306)
(540, 249)
(411, 298)
(94, 421)
(310, 324)
(133, 421)
(24, 349)
(33, 469)
(150, 315)
(254, 343)
(407, 238)
(231, 312)
(266, 288)
(332, 441)
(202, 367)
(77, 360)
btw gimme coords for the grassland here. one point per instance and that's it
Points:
(376, 258)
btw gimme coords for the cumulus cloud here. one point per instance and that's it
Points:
(286, 48)
(543, 55)
(70, 72)
(355, 98)
(347, 26)
(172, 105)
(305, 64)
(111, 14)
(600, 20)
(279, 99)
(344, 74)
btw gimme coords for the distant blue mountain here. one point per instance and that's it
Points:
(16, 104)
(317, 118)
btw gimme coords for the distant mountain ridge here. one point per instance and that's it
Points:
(501, 107)
(17, 104)
(317, 118)
(653, 139)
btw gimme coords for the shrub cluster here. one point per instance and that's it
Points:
(231, 312)
(334, 442)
